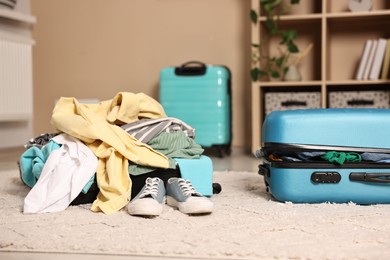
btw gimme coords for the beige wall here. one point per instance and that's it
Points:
(96, 48)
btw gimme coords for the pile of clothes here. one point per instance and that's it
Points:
(96, 147)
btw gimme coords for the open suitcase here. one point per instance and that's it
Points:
(327, 155)
(200, 95)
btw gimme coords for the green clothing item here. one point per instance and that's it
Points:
(341, 157)
(172, 145)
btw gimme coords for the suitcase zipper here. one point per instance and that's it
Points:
(268, 148)
(327, 165)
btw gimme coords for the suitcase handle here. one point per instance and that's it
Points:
(360, 102)
(370, 177)
(187, 69)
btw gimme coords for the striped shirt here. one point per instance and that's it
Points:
(146, 129)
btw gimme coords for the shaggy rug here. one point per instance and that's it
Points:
(246, 224)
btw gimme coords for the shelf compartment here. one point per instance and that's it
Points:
(342, 6)
(301, 9)
(359, 17)
(310, 66)
(346, 39)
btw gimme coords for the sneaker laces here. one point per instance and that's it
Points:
(187, 188)
(151, 188)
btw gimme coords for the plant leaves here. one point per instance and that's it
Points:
(275, 74)
(285, 70)
(254, 16)
(279, 61)
(276, 66)
(271, 25)
(256, 74)
(288, 36)
(269, 5)
(291, 34)
(262, 73)
(292, 47)
(256, 45)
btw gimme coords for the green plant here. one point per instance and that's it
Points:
(277, 65)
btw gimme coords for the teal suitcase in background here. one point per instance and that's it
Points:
(200, 95)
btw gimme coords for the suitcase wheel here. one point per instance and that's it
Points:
(224, 149)
(217, 188)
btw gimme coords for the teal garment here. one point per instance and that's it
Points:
(173, 145)
(341, 157)
(33, 160)
(199, 172)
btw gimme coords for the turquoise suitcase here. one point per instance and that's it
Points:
(327, 155)
(200, 95)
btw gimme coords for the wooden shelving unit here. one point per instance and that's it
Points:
(338, 36)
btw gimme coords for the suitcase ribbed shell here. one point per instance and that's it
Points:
(202, 101)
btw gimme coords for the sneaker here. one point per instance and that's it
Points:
(149, 201)
(183, 196)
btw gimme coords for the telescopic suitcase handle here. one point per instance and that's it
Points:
(370, 177)
(188, 69)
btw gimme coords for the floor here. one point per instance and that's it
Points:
(238, 160)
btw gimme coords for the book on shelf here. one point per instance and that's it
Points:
(363, 60)
(386, 62)
(378, 59)
(370, 60)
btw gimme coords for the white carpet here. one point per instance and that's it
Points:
(246, 224)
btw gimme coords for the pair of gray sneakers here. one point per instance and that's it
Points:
(179, 194)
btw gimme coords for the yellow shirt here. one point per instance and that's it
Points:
(98, 126)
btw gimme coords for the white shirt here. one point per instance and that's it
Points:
(65, 173)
